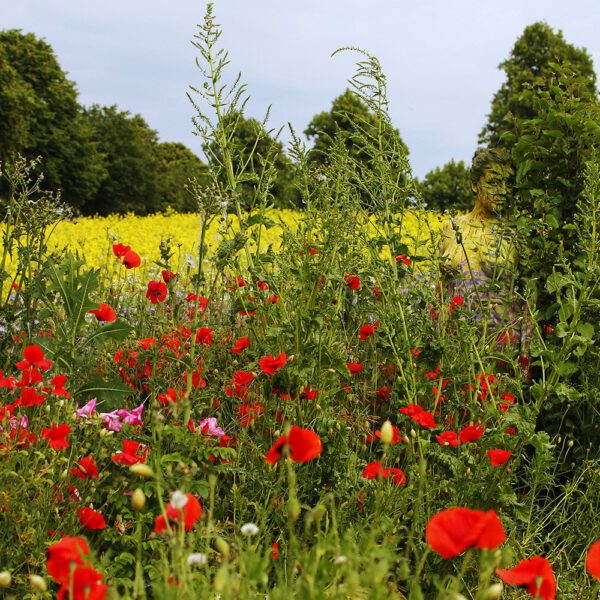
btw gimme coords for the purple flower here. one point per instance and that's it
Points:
(209, 427)
(111, 421)
(132, 417)
(87, 410)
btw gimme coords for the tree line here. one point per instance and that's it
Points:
(106, 160)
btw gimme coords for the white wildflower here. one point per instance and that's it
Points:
(197, 559)
(249, 529)
(178, 500)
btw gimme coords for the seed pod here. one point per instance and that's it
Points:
(138, 500)
(38, 583)
(387, 432)
(141, 470)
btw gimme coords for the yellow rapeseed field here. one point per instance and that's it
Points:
(93, 237)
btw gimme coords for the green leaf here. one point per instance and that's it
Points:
(567, 369)
(111, 393)
(586, 330)
(117, 331)
(556, 282)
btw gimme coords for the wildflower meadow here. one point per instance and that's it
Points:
(291, 404)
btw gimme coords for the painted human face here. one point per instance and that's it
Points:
(493, 189)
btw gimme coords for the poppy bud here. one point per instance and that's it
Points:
(142, 470)
(387, 432)
(413, 434)
(138, 500)
(570, 443)
(494, 592)
(403, 570)
(221, 578)
(222, 547)
(38, 583)
(5, 579)
(293, 509)
(469, 471)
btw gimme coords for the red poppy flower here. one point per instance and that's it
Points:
(240, 345)
(120, 250)
(204, 336)
(592, 562)
(411, 410)
(169, 396)
(309, 394)
(157, 291)
(354, 367)
(456, 302)
(454, 530)
(63, 554)
(168, 276)
(90, 519)
(365, 332)
(404, 260)
(243, 377)
(85, 586)
(448, 438)
(535, 575)
(190, 513)
(248, 414)
(105, 313)
(425, 419)
(57, 435)
(85, 468)
(376, 469)
(131, 259)
(498, 457)
(129, 455)
(275, 551)
(29, 397)
(352, 281)
(58, 385)
(270, 365)
(471, 433)
(34, 357)
(304, 445)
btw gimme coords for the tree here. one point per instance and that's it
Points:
(177, 164)
(260, 158)
(127, 145)
(538, 55)
(348, 119)
(40, 116)
(448, 187)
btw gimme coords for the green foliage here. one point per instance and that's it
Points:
(177, 165)
(127, 146)
(258, 158)
(448, 187)
(535, 61)
(360, 129)
(40, 116)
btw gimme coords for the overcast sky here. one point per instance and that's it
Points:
(440, 57)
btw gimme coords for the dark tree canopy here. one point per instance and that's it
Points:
(127, 146)
(177, 165)
(252, 148)
(448, 187)
(536, 58)
(40, 116)
(348, 119)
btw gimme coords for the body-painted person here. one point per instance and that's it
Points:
(479, 257)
